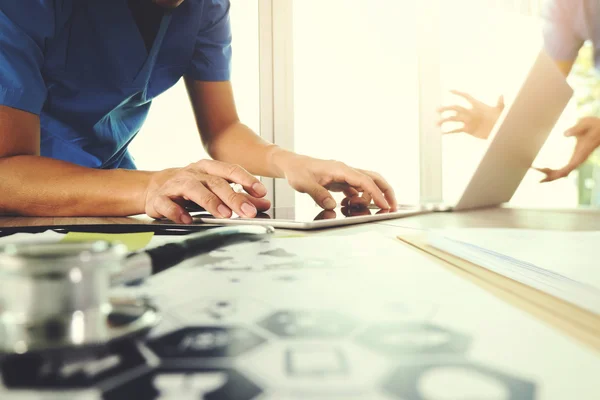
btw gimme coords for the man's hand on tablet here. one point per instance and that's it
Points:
(207, 184)
(318, 178)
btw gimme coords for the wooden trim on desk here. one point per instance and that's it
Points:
(568, 318)
(141, 223)
(561, 210)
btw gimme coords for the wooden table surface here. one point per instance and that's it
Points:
(503, 217)
(506, 217)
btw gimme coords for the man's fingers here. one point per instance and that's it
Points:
(384, 187)
(355, 211)
(353, 198)
(220, 199)
(357, 202)
(319, 194)
(237, 202)
(362, 182)
(350, 191)
(367, 198)
(233, 173)
(363, 200)
(260, 203)
(164, 206)
(206, 184)
(205, 197)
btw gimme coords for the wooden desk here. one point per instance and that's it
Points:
(506, 217)
(11, 222)
(540, 307)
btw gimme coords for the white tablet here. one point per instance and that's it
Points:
(313, 217)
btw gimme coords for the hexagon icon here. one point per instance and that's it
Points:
(207, 384)
(397, 339)
(313, 369)
(168, 323)
(309, 324)
(198, 344)
(456, 380)
(282, 395)
(97, 368)
(83, 394)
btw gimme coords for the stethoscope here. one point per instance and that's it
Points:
(56, 297)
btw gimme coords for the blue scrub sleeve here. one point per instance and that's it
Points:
(560, 26)
(212, 54)
(25, 26)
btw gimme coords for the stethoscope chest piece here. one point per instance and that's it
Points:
(57, 297)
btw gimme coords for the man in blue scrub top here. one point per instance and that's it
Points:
(76, 81)
(568, 24)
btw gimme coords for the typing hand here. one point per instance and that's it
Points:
(318, 177)
(207, 184)
(587, 134)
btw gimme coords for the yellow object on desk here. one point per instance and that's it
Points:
(133, 241)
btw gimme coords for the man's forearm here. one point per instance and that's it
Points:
(240, 145)
(39, 186)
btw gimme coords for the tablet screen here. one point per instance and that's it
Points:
(308, 214)
(313, 216)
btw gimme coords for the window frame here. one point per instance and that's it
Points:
(276, 70)
(276, 64)
(430, 98)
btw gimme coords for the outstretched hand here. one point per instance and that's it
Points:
(587, 134)
(478, 120)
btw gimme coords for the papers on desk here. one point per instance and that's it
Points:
(563, 264)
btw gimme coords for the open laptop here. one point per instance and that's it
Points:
(515, 142)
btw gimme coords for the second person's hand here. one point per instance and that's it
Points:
(587, 134)
(206, 183)
(478, 120)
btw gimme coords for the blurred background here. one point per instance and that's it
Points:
(357, 72)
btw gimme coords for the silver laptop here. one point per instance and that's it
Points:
(515, 142)
(518, 136)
